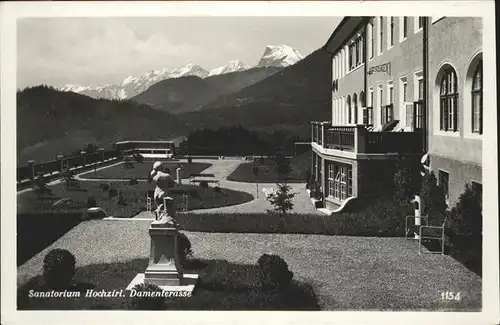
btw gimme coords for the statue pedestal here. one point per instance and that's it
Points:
(164, 269)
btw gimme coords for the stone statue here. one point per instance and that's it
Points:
(164, 203)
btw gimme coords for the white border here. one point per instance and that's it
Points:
(10, 11)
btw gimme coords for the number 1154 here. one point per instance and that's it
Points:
(450, 295)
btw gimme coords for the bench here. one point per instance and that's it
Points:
(214, 181)
(201, 175)
(197, 178)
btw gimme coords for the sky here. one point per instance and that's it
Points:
(98, 51)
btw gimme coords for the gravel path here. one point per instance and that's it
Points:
(223, 168)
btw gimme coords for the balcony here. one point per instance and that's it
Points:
(357, 139)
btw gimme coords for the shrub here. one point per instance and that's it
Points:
(133, 181)
(273, 272)
(152, 298)
(283, 168)
(465, 228)
(112, 193)
(58, 269)
(104, 186)
(121, 200)
(41, 187)
(193, 193)
(434, 199)
(204, 184)
(308, 179)
(91, 202)
(139, 158)
(405, 180)
(183, 248)
(69, 179)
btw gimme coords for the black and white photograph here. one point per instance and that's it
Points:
(334, 157)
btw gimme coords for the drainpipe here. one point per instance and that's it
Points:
(425, 126)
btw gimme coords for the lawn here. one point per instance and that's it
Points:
(134, 197)
(221, 286)
(142, 170)
(266, 174)
(343, 272)
(267, 170)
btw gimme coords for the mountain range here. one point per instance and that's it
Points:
(275, 99)
(190, 93)
(274, 56)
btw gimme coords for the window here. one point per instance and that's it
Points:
(391, 93)
(403, 89)
(371, 46)
(349, 109)
(420, 89)
(477, 99)
(340, 181)
(448, 107)
(355, 50)
(391, 32)
(368, 112)
(382, 110)
(381, 34)
(351, 56)
(355, 106)
(387, 111)
(421, 22)
(405, 27)
(331, 177)
(443, 182)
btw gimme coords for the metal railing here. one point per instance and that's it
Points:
(341, 138)
(359, 139)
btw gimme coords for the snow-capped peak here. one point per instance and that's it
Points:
(74, 88)
(190, 69)
(279, 56)
(232, 66)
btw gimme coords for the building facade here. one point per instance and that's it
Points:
(400, 85)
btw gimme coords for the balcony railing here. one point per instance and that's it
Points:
(340, 137)
(358, 139)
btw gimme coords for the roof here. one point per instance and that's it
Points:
(165, 142)
(345, 29)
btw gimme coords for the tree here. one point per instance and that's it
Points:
(405, 180)
(283, 168)
(41, 188)
(282, 199)
(433, 197)
(255, 171)
(70, 180)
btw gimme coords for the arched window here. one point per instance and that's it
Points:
(355, 105)
(349, 109)
(477, 99)
(362, 102)
(449, 101)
